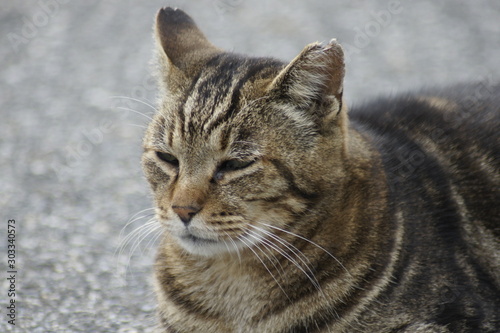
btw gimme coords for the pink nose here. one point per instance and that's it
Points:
(186, 213)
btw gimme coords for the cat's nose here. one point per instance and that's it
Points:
(186, 213)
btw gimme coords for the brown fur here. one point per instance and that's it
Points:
(281, 215)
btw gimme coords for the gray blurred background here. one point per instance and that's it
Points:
(70, 148)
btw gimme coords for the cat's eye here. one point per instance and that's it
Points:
(235, 164)
(169, 158)
(231, 165)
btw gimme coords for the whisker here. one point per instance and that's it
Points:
(309, 241)
(242, 239)
(310, 274)
(268, 246)
(141, 211)
(135, 218)
(141, 238)
(136, 233)
(287, 244)
(136, 125)
(227, 246)
(153, 240)
(135, 111)
(137, 100)
(234, 245)
(126, 240)
(152, 227)
(156, 121)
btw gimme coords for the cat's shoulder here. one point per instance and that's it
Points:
(463, 107)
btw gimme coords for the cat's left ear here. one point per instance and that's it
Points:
(314, 80)
(183, 48)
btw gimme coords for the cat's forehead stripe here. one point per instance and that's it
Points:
(180, 109)
(214, 96)
(234, 107)
(224, 137)
(206, 95)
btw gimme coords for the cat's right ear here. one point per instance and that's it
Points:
(313, 81)
(182, 47)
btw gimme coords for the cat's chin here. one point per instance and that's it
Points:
(208, 247)
(203, 246)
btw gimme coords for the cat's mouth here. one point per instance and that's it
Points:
(197, 240)
(201, 245)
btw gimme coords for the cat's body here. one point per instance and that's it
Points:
(283, 216)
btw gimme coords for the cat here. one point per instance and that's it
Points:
(283, 212)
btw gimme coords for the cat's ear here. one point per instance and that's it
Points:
(314, 80)
(182, 47)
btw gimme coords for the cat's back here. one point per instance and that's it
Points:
(468, 114)
(439, 145)
(441, 156)
(452, 132)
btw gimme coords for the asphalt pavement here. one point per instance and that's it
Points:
(75, 84)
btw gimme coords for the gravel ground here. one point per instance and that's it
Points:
(70, 149)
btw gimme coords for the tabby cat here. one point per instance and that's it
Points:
(283, 214)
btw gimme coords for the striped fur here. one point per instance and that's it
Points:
(284, 216)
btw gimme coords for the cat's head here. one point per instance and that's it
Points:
(241, 146)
